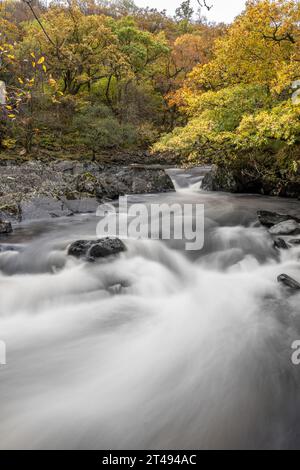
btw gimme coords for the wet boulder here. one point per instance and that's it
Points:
(95, 249)
(136, 179)
(220, 179)
(288, 227)
(5, 227)
(281, 244)
(269, 219)
(288, 281)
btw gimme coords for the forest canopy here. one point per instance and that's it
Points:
(93, 76)
(242, 106)
(96, 74)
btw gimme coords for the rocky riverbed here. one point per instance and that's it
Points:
(38, 190)
(283, 228)
(101, 332)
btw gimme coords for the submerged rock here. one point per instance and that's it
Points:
(281, 244)
(288, 281)
(288, 227)
(5, 227)
(269, 219)
(12, 248)
(295, 241)
(93, 249)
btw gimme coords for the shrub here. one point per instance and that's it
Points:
(98, 129)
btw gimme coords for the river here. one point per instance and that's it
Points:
(158, 348)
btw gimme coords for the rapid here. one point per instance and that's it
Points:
(157, 348)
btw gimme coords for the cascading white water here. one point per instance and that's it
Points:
(154, 349)
(189, 180)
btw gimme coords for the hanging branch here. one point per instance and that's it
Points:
(57, 48)
(29, 4)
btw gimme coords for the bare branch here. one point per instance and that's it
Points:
(275, 37)
(203, 4)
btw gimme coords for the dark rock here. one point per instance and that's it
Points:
(288, 282)
(219, 179)
(86, 183)
(288, 227)
(10, 212)
(5, 227)
(280, 244)
(106, 247)
(243, 178)
(79, 248)
(295, 241)
(151, 180)
(110, 187)
(136, 179)
(222, 178)
(291, 189)
(93, 249)
(269, 219)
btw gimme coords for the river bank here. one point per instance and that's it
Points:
(39, 190)
(237, 179)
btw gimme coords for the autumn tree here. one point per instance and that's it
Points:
(260, 46)
(239, 100)
(89, 54)
(185, 11)
(82, 48)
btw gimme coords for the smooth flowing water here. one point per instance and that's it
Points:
(157, 348)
